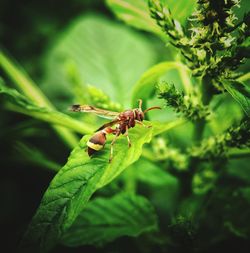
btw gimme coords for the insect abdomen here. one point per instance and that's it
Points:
(96, 142)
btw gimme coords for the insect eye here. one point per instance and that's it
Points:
(141, 116)
(137, 115)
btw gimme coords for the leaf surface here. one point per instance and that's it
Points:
(19, 103)
(240, 92)
(149, 173)
(106, 54)
(136, 12)
(145, 87)
(104, 220)
(75, 183)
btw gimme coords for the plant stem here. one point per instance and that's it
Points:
(198, 130)
(185, 75)
(244, 77)
(55, 118)
(32, 91)
(206, 95)
(199, 126)
(160, 128)
(36, 157)
(239, 153)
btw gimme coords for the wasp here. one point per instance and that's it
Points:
(121, 120)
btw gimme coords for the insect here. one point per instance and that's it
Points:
(121, 120)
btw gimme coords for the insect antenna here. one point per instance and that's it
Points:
(140, 103)
(151, 108)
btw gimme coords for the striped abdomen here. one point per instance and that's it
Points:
(96, 142)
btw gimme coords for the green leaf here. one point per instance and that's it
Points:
(105, 220)
(36, 157)
(222, 105)
(106, 54)
(145, 87)
(239, 168)
(180, 9)
(160, 127)
(19, 103)
(33, 92)
(136, 12)
(91, 95)
(162, 187)
(233, 201)
(74, 184)
(149, 173)
(240, 92)
(244, 77)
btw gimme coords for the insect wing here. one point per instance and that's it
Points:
(91, 109)
(109, 124)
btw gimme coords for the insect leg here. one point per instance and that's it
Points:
(126, 134)
(140, 123)
(112, 144)
(109, 130)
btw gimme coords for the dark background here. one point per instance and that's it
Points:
(27, 28)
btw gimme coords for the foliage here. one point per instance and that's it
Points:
(240, 92)
(105, 220)
(135, 13)
(19, 103)
(187, 167)
(96, 60)
(216, 146)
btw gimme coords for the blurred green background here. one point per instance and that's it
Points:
(61, 44)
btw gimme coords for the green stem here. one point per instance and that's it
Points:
(32, 91)
(199, 126)
(185, 75)
(160, 128)
(244, 77)
(206, 95)
(198, 130)
(34, 156)
(55, 118)
(22, 81)
(239, 153)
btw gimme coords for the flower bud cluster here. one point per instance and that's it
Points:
(190, 106)
(217, 146)
(216, 45)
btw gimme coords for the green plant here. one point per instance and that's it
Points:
(183, 161)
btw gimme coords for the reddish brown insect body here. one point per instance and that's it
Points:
(123, 122)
